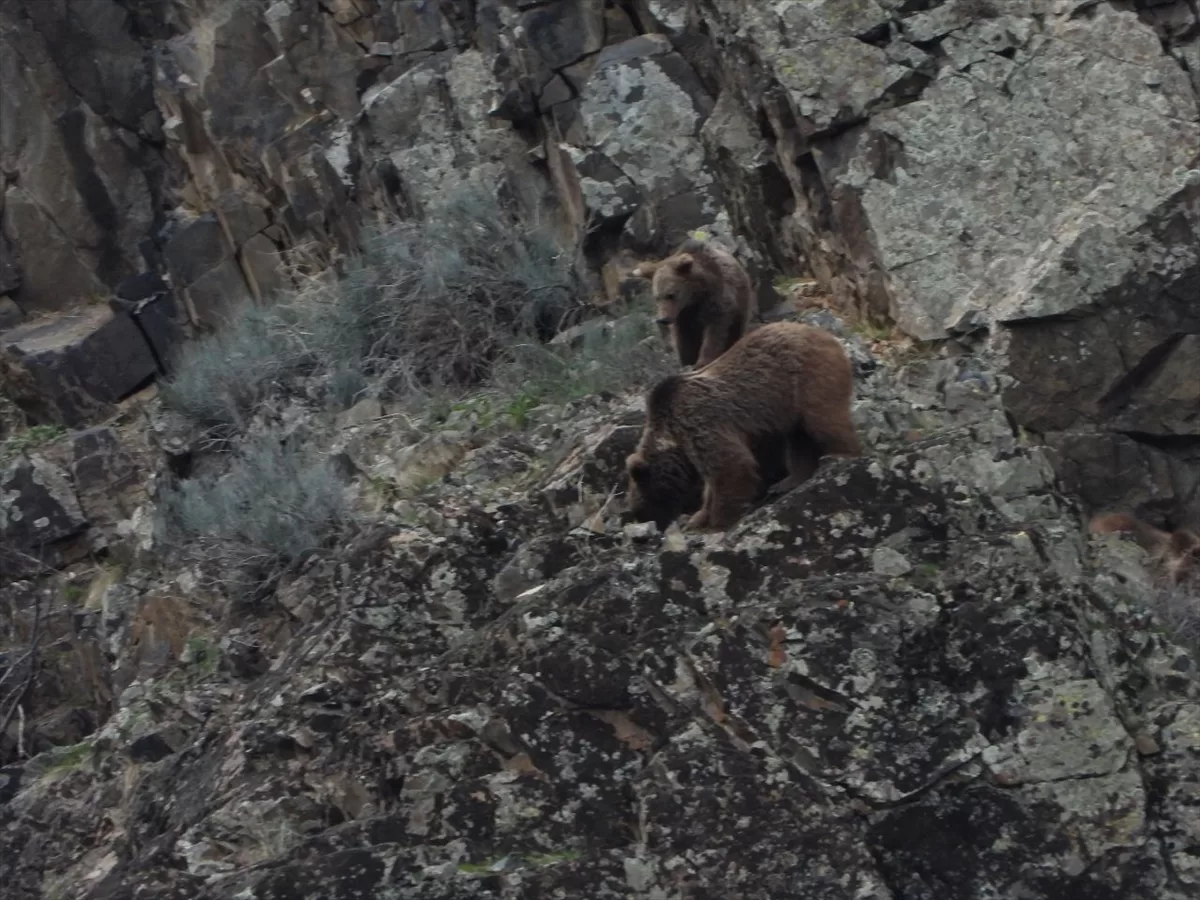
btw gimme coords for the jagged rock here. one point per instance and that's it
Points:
(73, 368)
(260, 257)
(883, 172)
(53, 274)
(76, 95)
(642, 109)
(218, 293)
(755, 191)
(433, 124)
(108, 483)
(1132, 364)
(563, 33)
(149, 301)
(202, 265)
(195, 247)
(38, 505)
(1150, 480)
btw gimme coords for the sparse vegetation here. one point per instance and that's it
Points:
(427, 305)
(202, 656)
(1178, 608)
(533, 861)
(448, 320)
(622, 355)
(29, 439)
(220, 378)
(62, 759)
(276, 502)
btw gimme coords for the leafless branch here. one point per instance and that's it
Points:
(19, 677)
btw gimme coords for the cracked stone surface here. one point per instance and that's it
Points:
(910, 677)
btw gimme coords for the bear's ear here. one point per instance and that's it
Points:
(683, 265)
(645, 269)
(637, 466)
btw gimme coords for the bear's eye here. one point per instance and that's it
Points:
(670, 296)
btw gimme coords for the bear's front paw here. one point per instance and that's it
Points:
(697, 522)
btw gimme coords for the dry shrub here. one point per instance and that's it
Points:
(423, 305)
(274, 504)
(1177, 606)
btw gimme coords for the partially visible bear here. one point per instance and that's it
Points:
(783, 382)
(1177, 553)
(704, 298)
(671, 486)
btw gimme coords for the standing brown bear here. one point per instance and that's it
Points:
(783, 381)
(1177, 553)
(705, 299)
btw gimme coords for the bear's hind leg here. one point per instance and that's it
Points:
(803, 455)
(834, 435)
(731, 483)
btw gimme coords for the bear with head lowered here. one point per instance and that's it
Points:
(704, 298)
(784, 383)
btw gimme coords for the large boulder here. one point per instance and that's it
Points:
(71, 369)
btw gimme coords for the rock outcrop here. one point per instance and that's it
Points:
(1029, 170)
(909, 677)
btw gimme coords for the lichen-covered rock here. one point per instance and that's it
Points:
(909, 675)
(641, 112)
(38, 504)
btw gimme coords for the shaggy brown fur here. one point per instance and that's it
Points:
(781, 381)
(1177, 553)
(704, 298)
(672, 486)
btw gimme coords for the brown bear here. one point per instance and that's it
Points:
(783, 381)
(1178, 552)
(704, 299)
(672, 486)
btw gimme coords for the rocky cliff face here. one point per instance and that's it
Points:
(1029, 170)
(910, 678)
